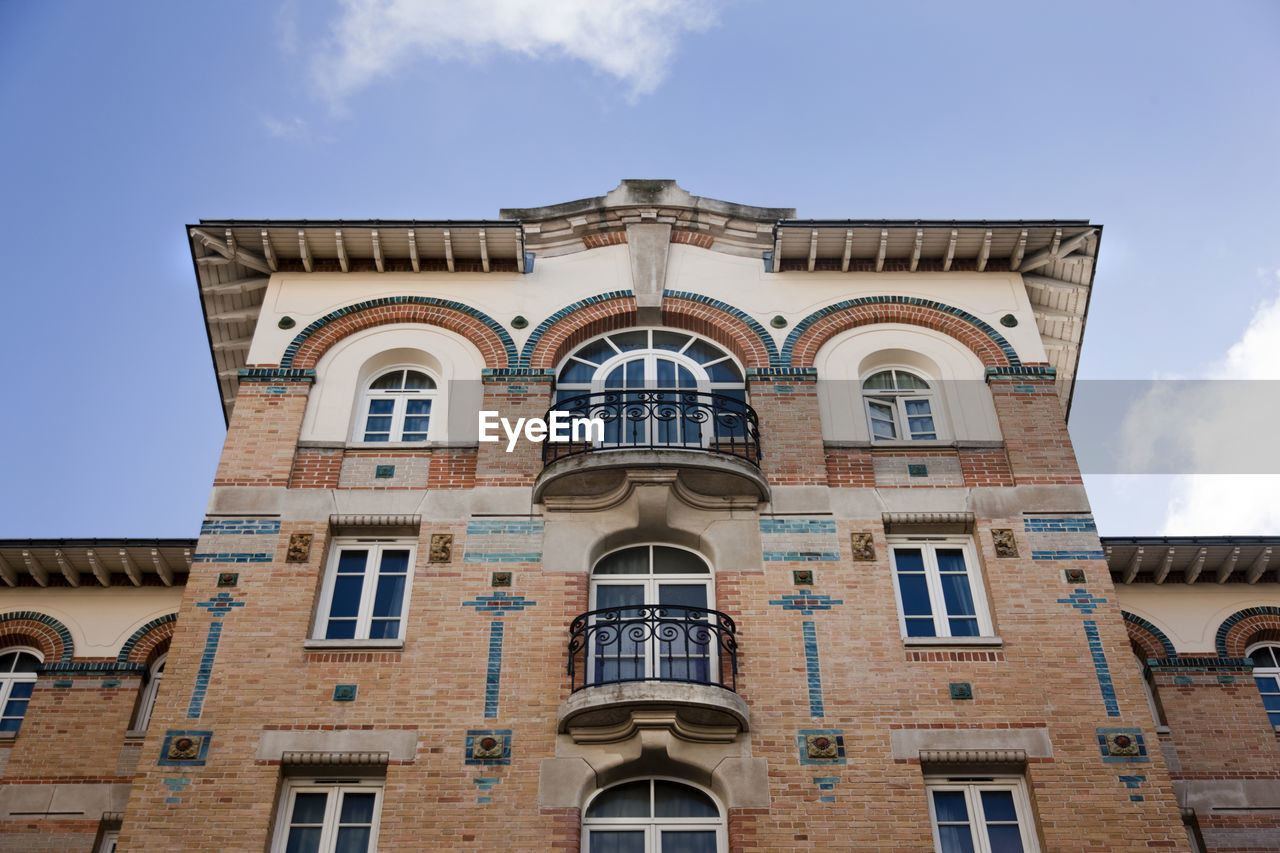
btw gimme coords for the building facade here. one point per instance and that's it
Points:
(816, 571)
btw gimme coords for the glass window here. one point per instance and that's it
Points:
(18, 671)
(1266, 674)
(651, 618)
(899, 406)
(397, 406)
(980, 816)
(366, 591)
(653, 816)
(656, 387)
(338, 817)
(147, 701)
(938, 588)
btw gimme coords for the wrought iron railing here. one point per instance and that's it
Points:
(698, 420)
(653, 642)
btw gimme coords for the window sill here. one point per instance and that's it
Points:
(934, 642)
(135, 734)
(352, 645)
(1163, 730)
(954, 444)
(8, 736)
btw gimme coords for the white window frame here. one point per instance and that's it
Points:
(400, 399)
(972, 789)
(364, 613)
(9, 679)
(147, 701)
(1266, 672)
(329, 828)
(654, 826)
(928, 546)
(897, 400)
(109, 841)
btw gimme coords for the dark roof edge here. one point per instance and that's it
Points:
(358, 223)
(936, 223)
(97, 543)
(1190, 540)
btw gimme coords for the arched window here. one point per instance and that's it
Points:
(1148, 687)
(18, 669)
(899, 406)
(1266, 674)
(655, 387)
(397, 406)
(651, 617)
(147, 701)
(653, 816)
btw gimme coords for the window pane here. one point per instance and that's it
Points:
(882, 381)
(950, 807)
(352, 839)
(629, 800)
(673, 561)
(616, 378)
(631, 561)
(16, 708)
(389, 381)
(10, 724)
(918, 408)
(685, 595)
(1004, 839)
(390, 596)
(303, 840)
(910, 382)
(1271, 702)
(684, 378)
(724, 371)
(689, 841)
(340, 629)
(666, 374)
(417, 379)
(702, 352)
(396, 560)
(672, 341)
(671, 799)
(26, 663)
(618, 595)
(1268, 685)
(915, 595)
(626, 341)
(309, 808)
(1263, 656)
(357, 807)
(418, 407)
(997, 806)
(382, 407)
(955, 839)
(908, 559)
(965, 627)
(346, 597)
(7, 661)
(957, 595)
(22, 690)
(596, 352)
(617, 842)
(577, 371)
(384, 629)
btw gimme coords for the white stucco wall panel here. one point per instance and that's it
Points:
(100, 619)
(1190, 615)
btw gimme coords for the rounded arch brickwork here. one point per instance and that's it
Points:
(580, 321)
(493, 341)
(29, 628)
(1246, 627)
(813, 331)
(1146, 636)
(149, 641)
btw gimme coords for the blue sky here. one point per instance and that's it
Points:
(125, 121)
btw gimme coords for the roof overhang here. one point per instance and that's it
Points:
(1192, 559)
(94, 562)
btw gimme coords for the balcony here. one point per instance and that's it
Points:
(653, 666)
(711, 440)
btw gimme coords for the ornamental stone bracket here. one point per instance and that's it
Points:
(698, 713)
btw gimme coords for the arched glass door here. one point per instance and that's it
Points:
(652, 816)
(650, 617)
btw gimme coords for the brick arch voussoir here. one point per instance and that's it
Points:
(149, 641)
(1153, 642)
(28, 628)
(814, 331)
(563, 331)
(483, 332)
(1246, 627)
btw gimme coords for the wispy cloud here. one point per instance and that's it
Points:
(287, 128)
(632, 40)
(1219, 504)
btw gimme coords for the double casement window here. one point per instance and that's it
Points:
(900, 406)
(329, 816)
(366, 591)
(18, 669)
(980, 815)
(939, 588)
(147, 700)
(396, 406)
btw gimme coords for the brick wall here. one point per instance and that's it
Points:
(263, 435)
(1035, 433)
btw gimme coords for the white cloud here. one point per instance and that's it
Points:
(632, 40)
(289, 128)
(1236, 417)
